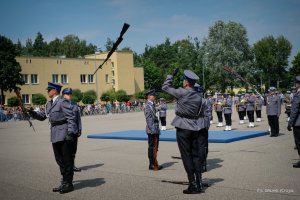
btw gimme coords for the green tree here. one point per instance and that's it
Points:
(10, 69)
(70, 46)
(28, 50)
(39, 99)
(140, 95)
(89, 97)
(77, 95)
(109, 95)
(55, 47)
(271, 58)
(109, 44)
(19, 48)
(295, 69)
(227, 45)
(39, 46)
(13, 102)
(121, 95)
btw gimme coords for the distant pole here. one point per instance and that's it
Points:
(96, 79)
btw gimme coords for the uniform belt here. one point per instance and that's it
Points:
(187, 116)
(56, 123)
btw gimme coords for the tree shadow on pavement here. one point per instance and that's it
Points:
(87, 167)
(80, 184)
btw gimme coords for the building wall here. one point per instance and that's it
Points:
(119, 68)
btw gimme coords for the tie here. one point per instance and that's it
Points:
(51, 102)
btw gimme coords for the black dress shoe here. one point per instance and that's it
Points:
(192, 189)
(75, 169)
(57, 189)
(151, 167)
(67, 187)
(297, 165)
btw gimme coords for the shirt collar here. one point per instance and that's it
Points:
(54, 98)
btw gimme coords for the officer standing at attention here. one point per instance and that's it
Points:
(219, 109)
(273, 111)
(227, 110)
(67, 92)
(204, 118)
(152, 130)
(211, 102)
(250, 107)
(258, 107)
(294, 121)
(63, 130)
(162, 108)
(190, 141)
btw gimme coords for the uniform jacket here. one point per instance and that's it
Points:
(211, 102)
(205, 114)
(241, 104)
(76, 112)
(162, 108)
(219, 104)
(60, 110)
(251, 103)
(259, 103)
(152, 123)
(187, 104)
(273, 105)
(295, 111)
(227, 108)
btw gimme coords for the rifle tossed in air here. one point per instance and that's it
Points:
(115, 46)
(237, 75)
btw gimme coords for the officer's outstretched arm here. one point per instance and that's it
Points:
(168, 88)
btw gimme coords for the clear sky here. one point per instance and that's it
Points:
(152, 21)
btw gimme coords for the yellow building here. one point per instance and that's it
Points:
(117, 73)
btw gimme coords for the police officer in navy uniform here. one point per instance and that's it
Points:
(273, 108)
(227, 110)
(67, 92)
(190, 141)
(250, 107)
(162, 108)
(63, 130)
(204, 118)
(152, 130)
(294, 122)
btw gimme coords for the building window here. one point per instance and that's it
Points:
(64, 78)
(25, 78)
(34, 79)
(106, 78)
(113, 81)
(112, 65)
(91, 78)
(25, 98)
(82, 78)
(55, 78)
(113, 73)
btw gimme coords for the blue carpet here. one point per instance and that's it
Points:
(170, 135)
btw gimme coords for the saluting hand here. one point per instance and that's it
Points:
(175, 71)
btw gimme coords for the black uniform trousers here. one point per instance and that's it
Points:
(163, 121)
(250, 115)
(258, 113)
(191, 145)
(63, 152)
(228, 119)
(75, 147)
(296, 130)
(241, 115)
(151, 148)
(220, 118)
(274, 124)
